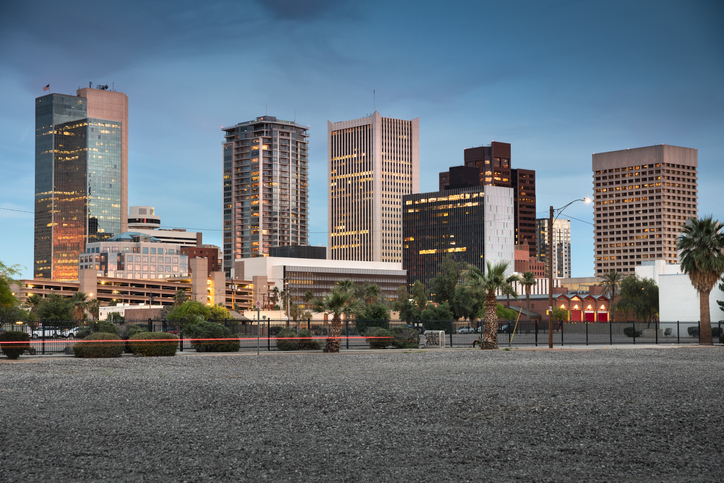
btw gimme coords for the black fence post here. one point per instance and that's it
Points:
(309, 323)
(562, 324)
(346, 330)
(451, 333)
(150, 325)
(42, 334)
(536, 332)
(610, 332)
(656, 331)
(698, 329)
(586, 333)
(181, 340)
(633, 324)
(678, 333)
(268, 335)
(164, 325)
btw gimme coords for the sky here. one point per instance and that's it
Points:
(559, 80)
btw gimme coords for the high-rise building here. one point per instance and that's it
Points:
(561, 246)
(81, 176)
(472, 225)
(494, 169)
(373, 162)
(643, 197)
(265, 188)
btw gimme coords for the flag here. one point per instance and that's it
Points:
(46, 88)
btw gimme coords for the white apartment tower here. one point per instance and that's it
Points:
(643, 197)
(265, 188)
(373, 162)
(561, 246)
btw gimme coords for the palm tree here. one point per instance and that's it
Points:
(180, 297)
(700, 245)
(372, 293)
(79, 300)
(94, 308)
(527, 281)
(339, 302)
(488, 283)
(509, 290)
(610, 283)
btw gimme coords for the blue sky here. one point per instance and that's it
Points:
(559, 80)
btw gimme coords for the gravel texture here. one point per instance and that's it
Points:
(462, 415)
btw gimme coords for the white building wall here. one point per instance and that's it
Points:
(499, 227)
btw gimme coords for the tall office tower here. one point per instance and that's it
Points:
(473, 225)
(81, 176)
(561, 246)
(493, 163)
(643, 197)
(266, 190)
(373, 162)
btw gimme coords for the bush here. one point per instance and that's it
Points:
(13, 351)
(629, 331)
(716, 332)
(153, 344)
(362, 325)
(721, 339)
(378, 338)
(405, 338)
(694, 332)
(88, 348)
(106, 327)
(211, 330)
(292, 341)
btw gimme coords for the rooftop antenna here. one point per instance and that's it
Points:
(374, 101)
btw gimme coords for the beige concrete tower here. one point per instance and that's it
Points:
(373, 161)
(642, 196)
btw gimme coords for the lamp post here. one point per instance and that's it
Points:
(550, 265)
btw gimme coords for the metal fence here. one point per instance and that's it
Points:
(59, 337)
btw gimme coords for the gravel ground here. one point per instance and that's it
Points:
(463, 415)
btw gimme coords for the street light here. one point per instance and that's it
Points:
(550, 265)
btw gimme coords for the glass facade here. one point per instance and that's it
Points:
(50, 111)
(78, 188)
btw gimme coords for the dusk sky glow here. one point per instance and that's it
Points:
(559, 80)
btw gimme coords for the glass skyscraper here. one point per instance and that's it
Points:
(80, 177)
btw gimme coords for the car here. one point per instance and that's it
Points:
(71, 332)
(466, 330)
(48, 332)
(506, 329)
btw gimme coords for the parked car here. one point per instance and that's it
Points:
(50, 332)
(506, 329)
(70, 332)
(466, 330)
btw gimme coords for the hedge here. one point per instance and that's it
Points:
(211, 330)
(291, 340)
(88, 348)
(13, 351)
(153, 344)
(405, 338)
(378, 338)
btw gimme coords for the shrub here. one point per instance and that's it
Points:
(716, 332)
(362, 325)
(629, 331)
(153, 344)
(83, 332)
(13, 351)
(106, 327)
(694, 332)
(405, 338)
(721, 339)
(96, 345)
(211, 330)
(378, 338)
(290, 340)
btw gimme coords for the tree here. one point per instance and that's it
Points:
(527, 281)
(180, 297)
(467, 303)
(610, 283)
(509, 290)
(700, 244)
(188, 309)
(219, 312)
(7, 272)
(79, 301)
(339, 302)
(486, 284)
(436, 317)
(442, 286)
(418, 295)
(639, 297)
(372, 293)
(55, 308)
(94, 308)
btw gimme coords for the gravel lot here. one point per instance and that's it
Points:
(463, 415)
